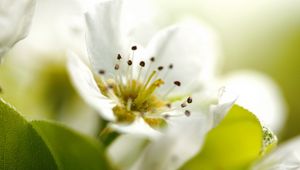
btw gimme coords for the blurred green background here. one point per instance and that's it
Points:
(259, 35)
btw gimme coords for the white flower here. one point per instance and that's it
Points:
(15, 19)
(140, 89)
(115, 86)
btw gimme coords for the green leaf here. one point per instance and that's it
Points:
(20, 146)
(45, 145)
(233, 144)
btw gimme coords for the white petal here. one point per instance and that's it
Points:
(126, 149)
(84, 82)
(104, 39)
(192, 49)
(15, 19)
(260, 95)
(182, 140)
(138, 21)
(225, 102)
(286, 157)
(138, 127)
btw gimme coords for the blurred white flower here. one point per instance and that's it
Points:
(140, 89)
(260, 95)
(15, 19)
(285, 157)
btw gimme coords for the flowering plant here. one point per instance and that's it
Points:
(160, 104)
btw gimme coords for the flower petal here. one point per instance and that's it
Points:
(15, 19)
(138, 127)
(126, 149)
(84, 82)
(260, 95)
(286, 157)
(104, 39)
(191, 48)
(180, 142)
(225, 102)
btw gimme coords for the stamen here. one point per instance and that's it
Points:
(142, 63)
(134, 48)
(189, 100)
(102, 72)
(183, 105)
(187, 113)
(160, 68)
(119, 57)
(117, 66)
(129, 103)
(152, 59)
(177, 83)
(129, 62)
(170, 67)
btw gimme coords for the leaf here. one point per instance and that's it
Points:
(45, 145)
(20, 146)
(234, 144)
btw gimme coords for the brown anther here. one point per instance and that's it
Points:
(119, 57)
(134, 48)
(189, 100)
(169, 105)
(129, 62)
(187, 113)
(117, 66)
(177, 83)
(142, 63)
(160, 68)
(171, 66)
(166, 116)
(183, 105)
(110, 86)
(152, 59)
(101, 72)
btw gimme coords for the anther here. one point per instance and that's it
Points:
(187, 113)
(171, 66)
(189, 100)
(110, 86)
(129, 62)
(142, 63)
(101, 72)
(152, 59)
(117, 66)
(119, 57)
(177, 83)
(169, 105)
(166, 116)
(160, 68)
(183, 105)
(134, 48)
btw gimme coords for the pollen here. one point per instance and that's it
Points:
(137, 91)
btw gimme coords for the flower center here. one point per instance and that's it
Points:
(136, 95)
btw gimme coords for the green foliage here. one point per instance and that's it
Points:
(233, 144)
(44, 145)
